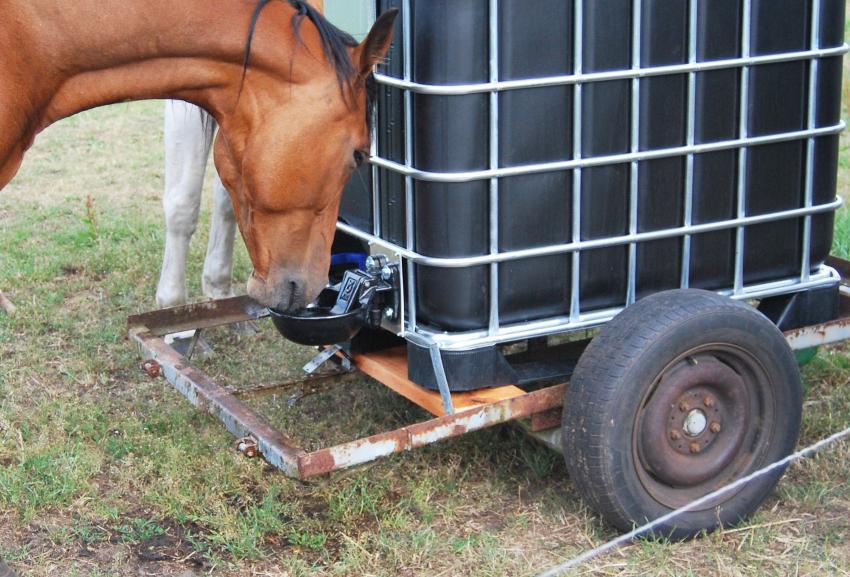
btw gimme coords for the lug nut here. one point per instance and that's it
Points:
(684, 406)
(714, 427)
(152, 368)
(675, 435)
(708, 401)
(695, 448)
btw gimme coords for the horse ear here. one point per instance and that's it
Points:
(374, 49)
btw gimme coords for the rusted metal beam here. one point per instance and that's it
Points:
(546, 420)
(421, 434)
(278, 449)
(200, 316)
(825, 333)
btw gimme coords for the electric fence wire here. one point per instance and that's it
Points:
(643, 529)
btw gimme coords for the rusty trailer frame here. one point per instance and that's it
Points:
(539, 410)
(161, 360)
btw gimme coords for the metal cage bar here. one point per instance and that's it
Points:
(494, 165)
(690, 140)
(376, 190)
(585, 245)
(634, 182)
(409, 208)
(578, 68)
(505, 85)
(743, 154)
(808, 198)
(470, 176)
(473, 339)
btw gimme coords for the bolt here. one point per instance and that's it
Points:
(708, 401)
(684, 406)
(714, 427)
(370, 262)
(675, 435)
(389, 312)
(152, 368)
(695, 448)
(248, 447)
(387, 273)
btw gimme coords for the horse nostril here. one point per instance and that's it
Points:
(293, 297)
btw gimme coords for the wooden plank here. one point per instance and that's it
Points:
(390, 368)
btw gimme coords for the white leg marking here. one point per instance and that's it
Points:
(218, 266)
(187, 145)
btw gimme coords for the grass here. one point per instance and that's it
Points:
(104, 472)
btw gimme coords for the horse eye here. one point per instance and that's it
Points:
(359, 158)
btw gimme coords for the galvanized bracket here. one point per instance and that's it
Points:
(442, 380)
(324, 356)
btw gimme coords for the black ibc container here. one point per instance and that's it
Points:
(450, 46)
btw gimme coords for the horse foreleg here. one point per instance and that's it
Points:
(218, 265)
(187, 146)
(11, 157)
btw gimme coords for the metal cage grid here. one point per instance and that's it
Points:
(497, 332)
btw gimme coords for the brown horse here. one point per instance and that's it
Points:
(288, 89)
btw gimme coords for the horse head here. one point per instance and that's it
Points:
(286, 156)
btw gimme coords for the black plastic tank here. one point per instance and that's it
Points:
(450, 46)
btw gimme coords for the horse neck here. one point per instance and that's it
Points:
(189, 49)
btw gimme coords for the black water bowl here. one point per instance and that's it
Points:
(316, 326)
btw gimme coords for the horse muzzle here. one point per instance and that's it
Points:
(290, 293)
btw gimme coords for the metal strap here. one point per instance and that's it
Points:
(442, 381)
(321, 359)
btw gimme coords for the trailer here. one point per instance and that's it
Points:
(608, 221)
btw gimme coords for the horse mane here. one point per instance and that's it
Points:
(335, 42)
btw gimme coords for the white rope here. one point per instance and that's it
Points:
(623, 539)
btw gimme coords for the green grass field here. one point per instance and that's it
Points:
(105, 472)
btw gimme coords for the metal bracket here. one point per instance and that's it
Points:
(320, 359)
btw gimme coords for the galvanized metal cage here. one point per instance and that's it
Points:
(818, 51)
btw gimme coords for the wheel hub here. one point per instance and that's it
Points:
(693, 425)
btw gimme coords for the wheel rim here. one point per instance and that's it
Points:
(704, 422)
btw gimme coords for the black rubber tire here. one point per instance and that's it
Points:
(620, 372)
